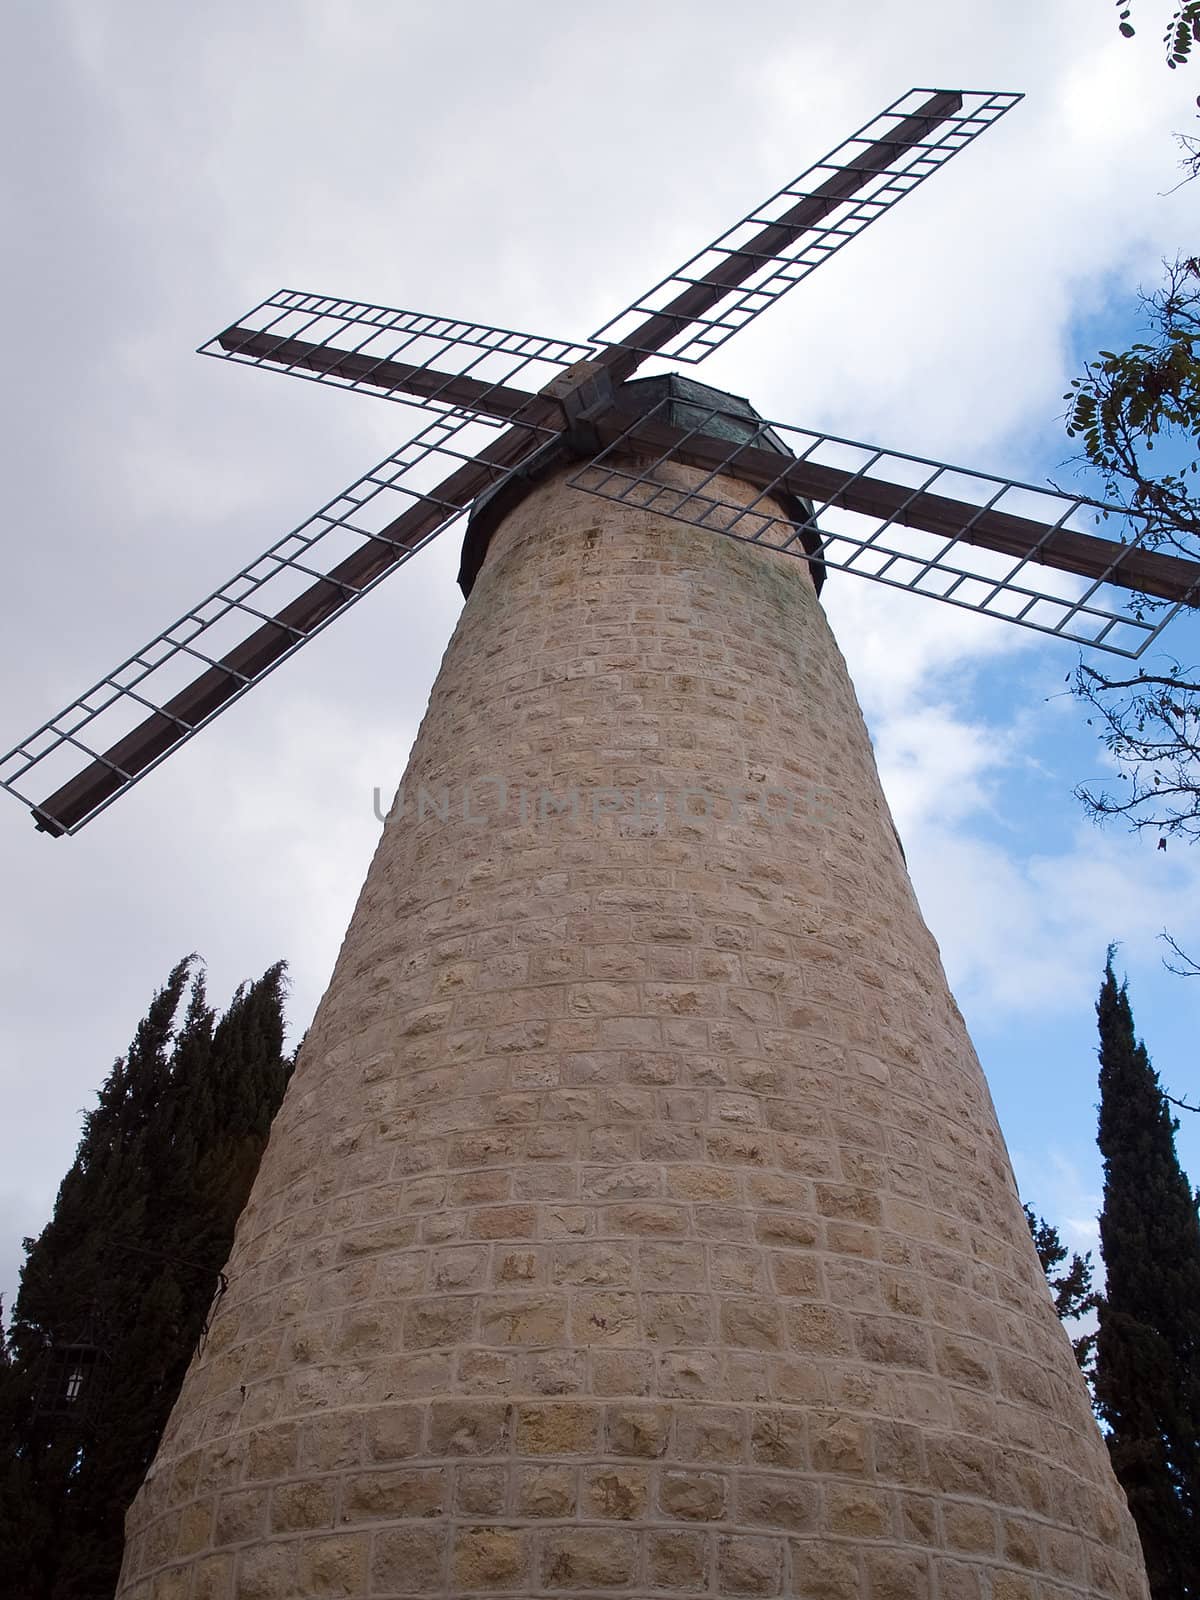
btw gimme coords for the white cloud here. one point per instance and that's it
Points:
(1058, 1189)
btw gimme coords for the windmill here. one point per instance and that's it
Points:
(637, 1218)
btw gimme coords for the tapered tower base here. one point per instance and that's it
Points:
(637, 1222)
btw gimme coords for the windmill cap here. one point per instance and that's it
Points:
(679, 401)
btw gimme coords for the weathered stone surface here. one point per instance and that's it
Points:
(636, 1221)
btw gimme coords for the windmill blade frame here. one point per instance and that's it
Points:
(695, 309)
(412, 357)
(344, 550)
(888, 516)
(478, 377)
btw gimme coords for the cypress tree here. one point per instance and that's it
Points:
(123, 1275)
(18, 1514)
(1148, 1348)
(1072, 1290)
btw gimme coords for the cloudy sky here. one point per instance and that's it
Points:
(536, 166)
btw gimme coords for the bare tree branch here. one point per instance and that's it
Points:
(1124, 405)
(1188, 967)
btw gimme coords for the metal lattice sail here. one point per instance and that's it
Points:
(501, 397)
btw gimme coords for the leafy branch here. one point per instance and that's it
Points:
(1128, 401)
(1183, 30)
(1125, 404)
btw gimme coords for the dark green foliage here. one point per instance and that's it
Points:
(129, 1264)
(1148, 1350)
(1072, 1290)
(1128, 401)
(1183, 30)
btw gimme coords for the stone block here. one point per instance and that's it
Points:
(838, 1444)
(557, 1429)
(524, 1319)
(777, 1500)
(587, 1558)
(637, 1430)
(394, 1432)
(430, 1324)
(693, 1496)
(620, 1492)
(481, 1491)
(395, 1496)
(409, 1560)
(490, 1559)
(822, 1570)
(678, 1561)
(546, 1491)
(779, 1438)
(468, 1427)
(241, 1515)
(299, 1506)
(894, 1575)
(747, 1565)
(333, 1566)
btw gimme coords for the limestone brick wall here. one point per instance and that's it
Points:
(637, 1223)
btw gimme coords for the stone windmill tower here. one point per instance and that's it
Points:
(637, 1222)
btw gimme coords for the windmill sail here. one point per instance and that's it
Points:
(408, 356)
(105, 741)
(507, 396)
(1028, 555)
(694, 310)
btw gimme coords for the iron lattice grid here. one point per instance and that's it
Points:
(375, 349)
(840, 218)
(961, 566)
(353, 527)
